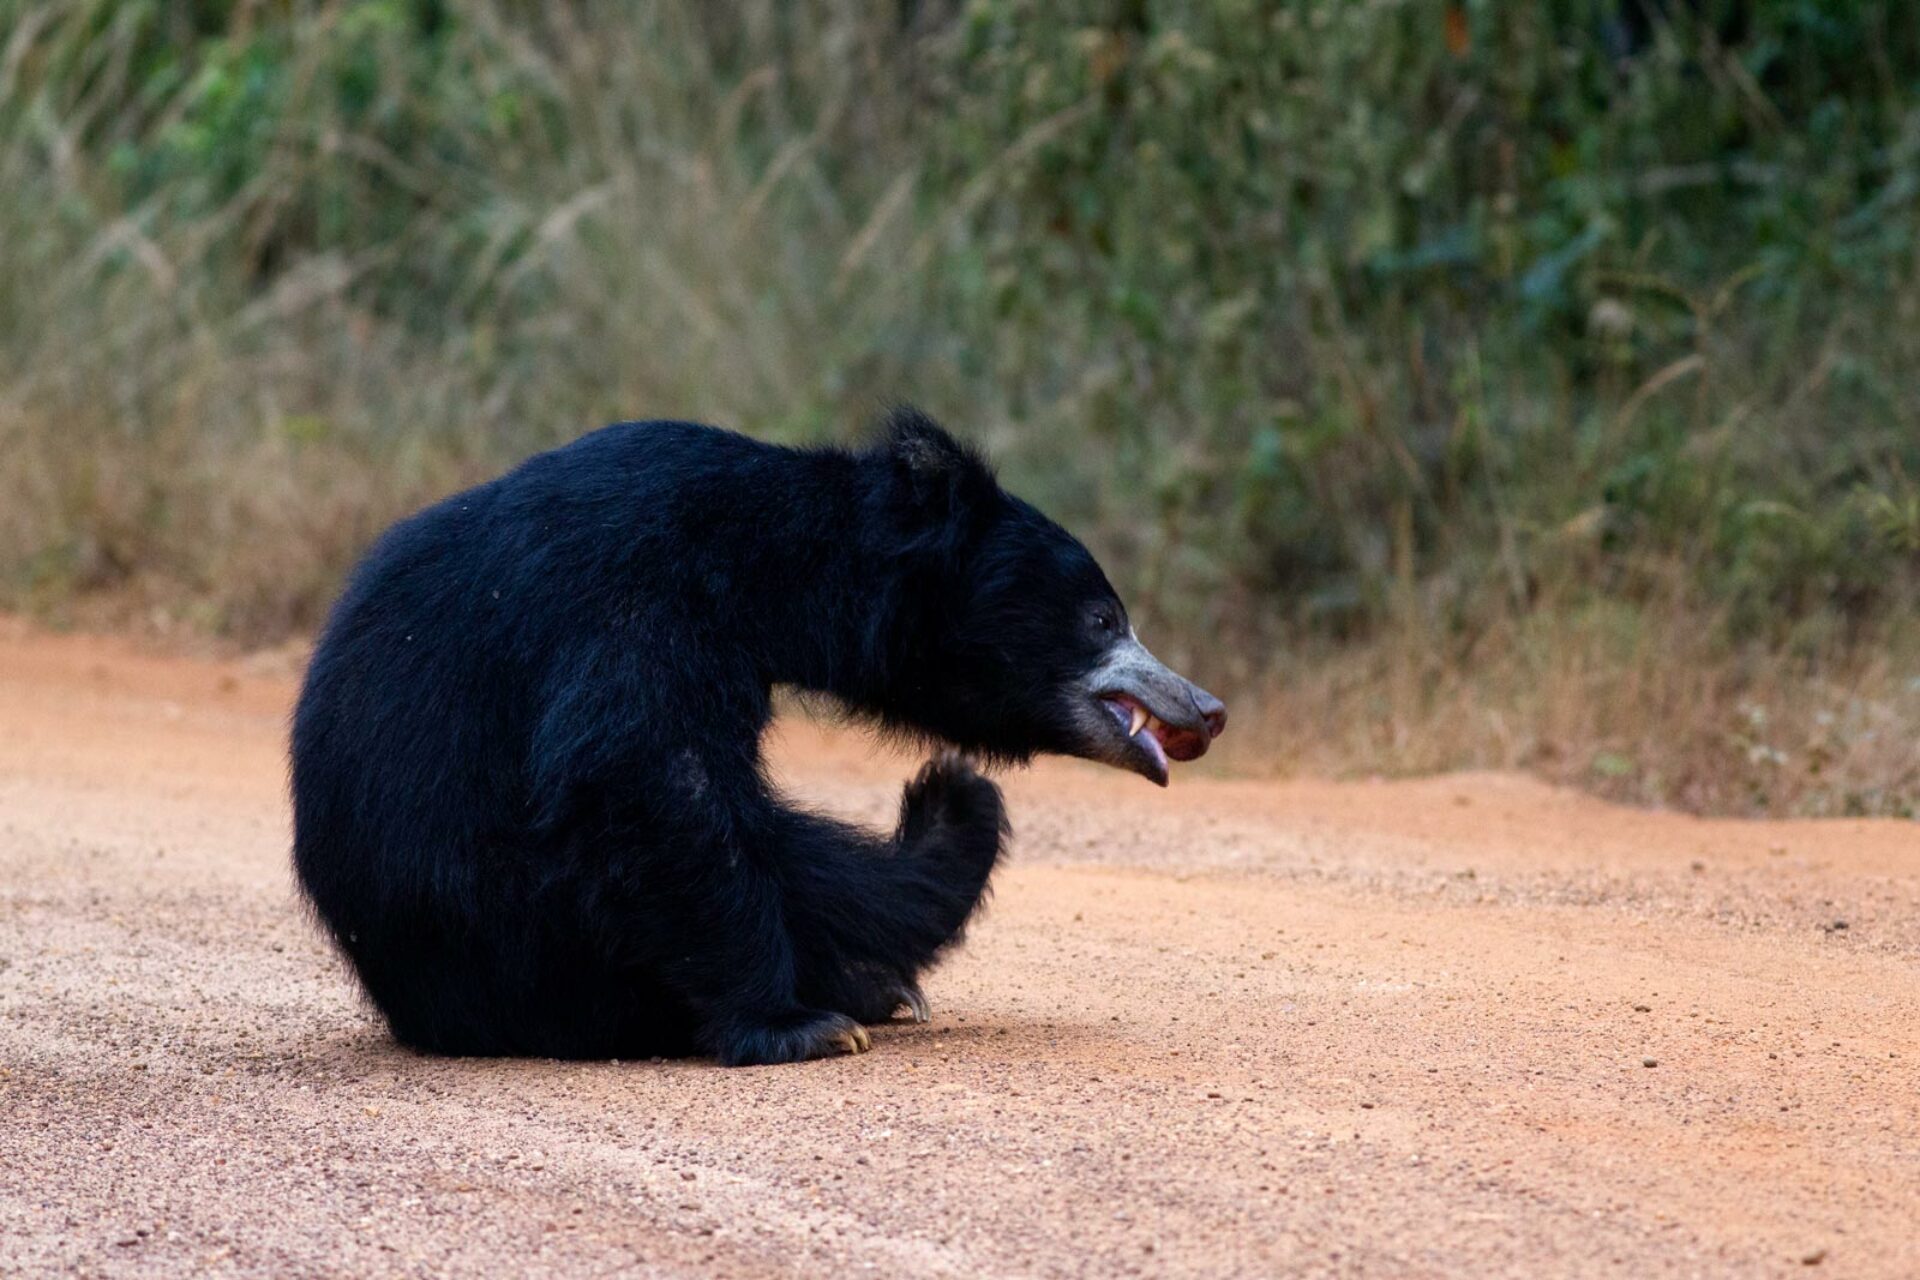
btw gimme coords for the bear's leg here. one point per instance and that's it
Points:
(722, 944)
(866, 916)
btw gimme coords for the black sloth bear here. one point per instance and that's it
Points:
(527, 787)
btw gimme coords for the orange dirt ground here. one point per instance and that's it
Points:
(1464, 1026)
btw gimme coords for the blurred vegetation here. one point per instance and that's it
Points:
(1413, 338)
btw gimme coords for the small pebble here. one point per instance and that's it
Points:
(1643, 1008)
(1649, 1062)
(1814, 1259)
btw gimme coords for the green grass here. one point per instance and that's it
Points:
(1368, 343)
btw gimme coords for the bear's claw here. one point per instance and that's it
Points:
(884, 1001)
(794, 1037)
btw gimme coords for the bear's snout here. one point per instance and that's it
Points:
(1157, 715)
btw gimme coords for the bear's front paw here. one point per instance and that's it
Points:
(949, 792)
(914, 1001)
(884, 1002)
(795, 1037)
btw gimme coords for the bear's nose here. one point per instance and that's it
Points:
(1211, 710)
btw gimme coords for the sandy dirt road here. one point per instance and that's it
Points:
(1467, 1026)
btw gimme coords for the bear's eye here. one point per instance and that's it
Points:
(1106, 619)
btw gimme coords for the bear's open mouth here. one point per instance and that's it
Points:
(1138, 715)
(1156, 737)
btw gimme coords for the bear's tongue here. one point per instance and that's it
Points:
(1157, 737)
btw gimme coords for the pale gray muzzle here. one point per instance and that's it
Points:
(1138, 713)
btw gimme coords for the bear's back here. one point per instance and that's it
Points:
(470, 633)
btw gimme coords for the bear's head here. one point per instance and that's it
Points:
(1012, 640)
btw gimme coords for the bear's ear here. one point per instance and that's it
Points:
(940, 473)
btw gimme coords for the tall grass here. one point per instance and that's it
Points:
(1398, 358)
(266, 288)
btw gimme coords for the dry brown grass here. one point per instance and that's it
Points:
(1641, 705)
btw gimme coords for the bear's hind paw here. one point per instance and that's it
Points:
(799, 1039)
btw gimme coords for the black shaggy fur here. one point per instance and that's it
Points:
(528, 794)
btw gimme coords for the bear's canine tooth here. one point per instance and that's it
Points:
(1140, 719)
